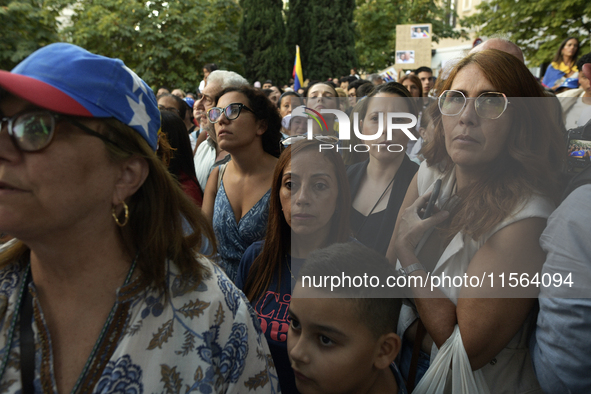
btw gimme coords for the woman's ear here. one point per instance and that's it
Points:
(134, 172)
(389, 347)
(261, 127)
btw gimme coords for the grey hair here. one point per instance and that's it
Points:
(508, 46)
(226, 79)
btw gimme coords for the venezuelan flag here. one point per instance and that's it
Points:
(298, 75)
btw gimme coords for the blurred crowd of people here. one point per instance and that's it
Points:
(159, 241)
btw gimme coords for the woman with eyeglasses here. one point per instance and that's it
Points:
(497, 151)
(236, 198)
(378, 184)
(103, 288)
(309, 210)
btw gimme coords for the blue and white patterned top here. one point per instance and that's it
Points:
(205, 338)
(234, 237)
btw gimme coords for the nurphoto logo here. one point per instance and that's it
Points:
(394, 121)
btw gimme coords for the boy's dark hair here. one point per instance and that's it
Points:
(378, 307)
(348, 78)
(586, 58)
(211, 67)
(423, 69)
(364, 90)
(358, 82)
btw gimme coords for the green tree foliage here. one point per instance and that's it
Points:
(298, 31)
(26, 25)
(537, 26)
(166, 43)
(262, 41)
(332, 47)
(376, 21)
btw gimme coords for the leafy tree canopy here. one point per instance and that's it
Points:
(376, 22)
(537, 26)
(262, 41)
(166, 43)
(332, 46)
(27, 25)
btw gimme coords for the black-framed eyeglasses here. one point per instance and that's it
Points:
(489, 105)
(232, 111)
(33, 131)
(172, 109)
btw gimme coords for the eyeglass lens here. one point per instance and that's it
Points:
(488, 105)
(232, 111)
(32, 131)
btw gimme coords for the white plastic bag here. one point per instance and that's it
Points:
(463, 379)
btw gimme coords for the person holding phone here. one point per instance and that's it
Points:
(498, 160)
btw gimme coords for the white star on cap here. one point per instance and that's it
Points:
(140, 116)
(137, 82)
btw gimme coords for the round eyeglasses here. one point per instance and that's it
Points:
(489, 105)
(33, 131)
(232, 111)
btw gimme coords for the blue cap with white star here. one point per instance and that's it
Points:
(70, 80)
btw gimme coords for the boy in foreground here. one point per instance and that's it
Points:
(341, 340)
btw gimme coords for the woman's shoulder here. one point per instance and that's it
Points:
(535, 206)
(11, 275)
(208, 325)
(214, 286)
(354, 169)
(355, 173)
(427, 175)
(252, 252)
(214, 299)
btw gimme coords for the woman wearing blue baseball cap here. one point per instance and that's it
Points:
(101, 289)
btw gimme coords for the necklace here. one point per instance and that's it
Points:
(376, 204)
(289, 268)
(18, 315)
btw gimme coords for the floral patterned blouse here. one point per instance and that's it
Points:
(205, 338)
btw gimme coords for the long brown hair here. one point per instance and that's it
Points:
(278, 240)
(558, 55)
(164, 223)
(531, 161)
(415, 80)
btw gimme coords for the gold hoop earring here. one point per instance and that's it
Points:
(126, 208)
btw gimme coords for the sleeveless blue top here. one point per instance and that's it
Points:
(234, 237)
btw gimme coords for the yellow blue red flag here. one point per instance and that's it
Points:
(298, 75)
